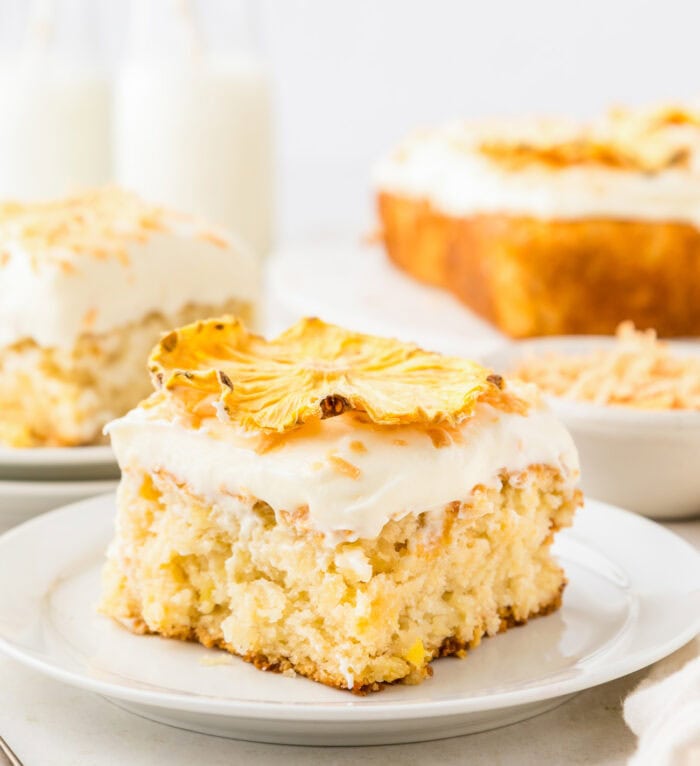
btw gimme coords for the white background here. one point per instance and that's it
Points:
(352, 76)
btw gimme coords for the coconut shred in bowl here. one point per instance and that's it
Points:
(637, 371)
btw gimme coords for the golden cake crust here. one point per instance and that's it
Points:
(535, 277)
(450, 647)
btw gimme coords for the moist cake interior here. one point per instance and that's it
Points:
(355, 616)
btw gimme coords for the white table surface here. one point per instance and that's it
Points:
(49, 724)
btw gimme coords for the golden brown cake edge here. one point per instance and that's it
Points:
(534, 277)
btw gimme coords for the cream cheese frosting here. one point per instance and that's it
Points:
(54, 288)
(352, 477)
(445, 167)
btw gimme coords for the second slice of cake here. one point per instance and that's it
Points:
(334, 504)
(87, 285)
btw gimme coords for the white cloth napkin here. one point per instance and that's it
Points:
(664, 711)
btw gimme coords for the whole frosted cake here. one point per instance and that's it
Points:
(338, 505)
(552, 227)
(87, 284)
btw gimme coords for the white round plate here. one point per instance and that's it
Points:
(21, 500)
(350, 284)
(633, 597)
(58, 463)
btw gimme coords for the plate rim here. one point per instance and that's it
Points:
(40, 488)
(353, 710)
(56, 457)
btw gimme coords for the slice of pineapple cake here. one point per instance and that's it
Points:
(344, 506)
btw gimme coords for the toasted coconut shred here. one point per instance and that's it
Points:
(639, 371)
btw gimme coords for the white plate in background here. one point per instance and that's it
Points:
(58, 463)
(633, 597)
(22, 500)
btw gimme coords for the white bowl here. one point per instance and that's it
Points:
(647, 461)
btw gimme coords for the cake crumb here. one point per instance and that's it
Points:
(219, 659)
(357, 446)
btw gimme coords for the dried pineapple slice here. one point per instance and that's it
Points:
(313, 370)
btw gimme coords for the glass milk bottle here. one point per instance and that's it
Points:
(54, 102)
(193, 116)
